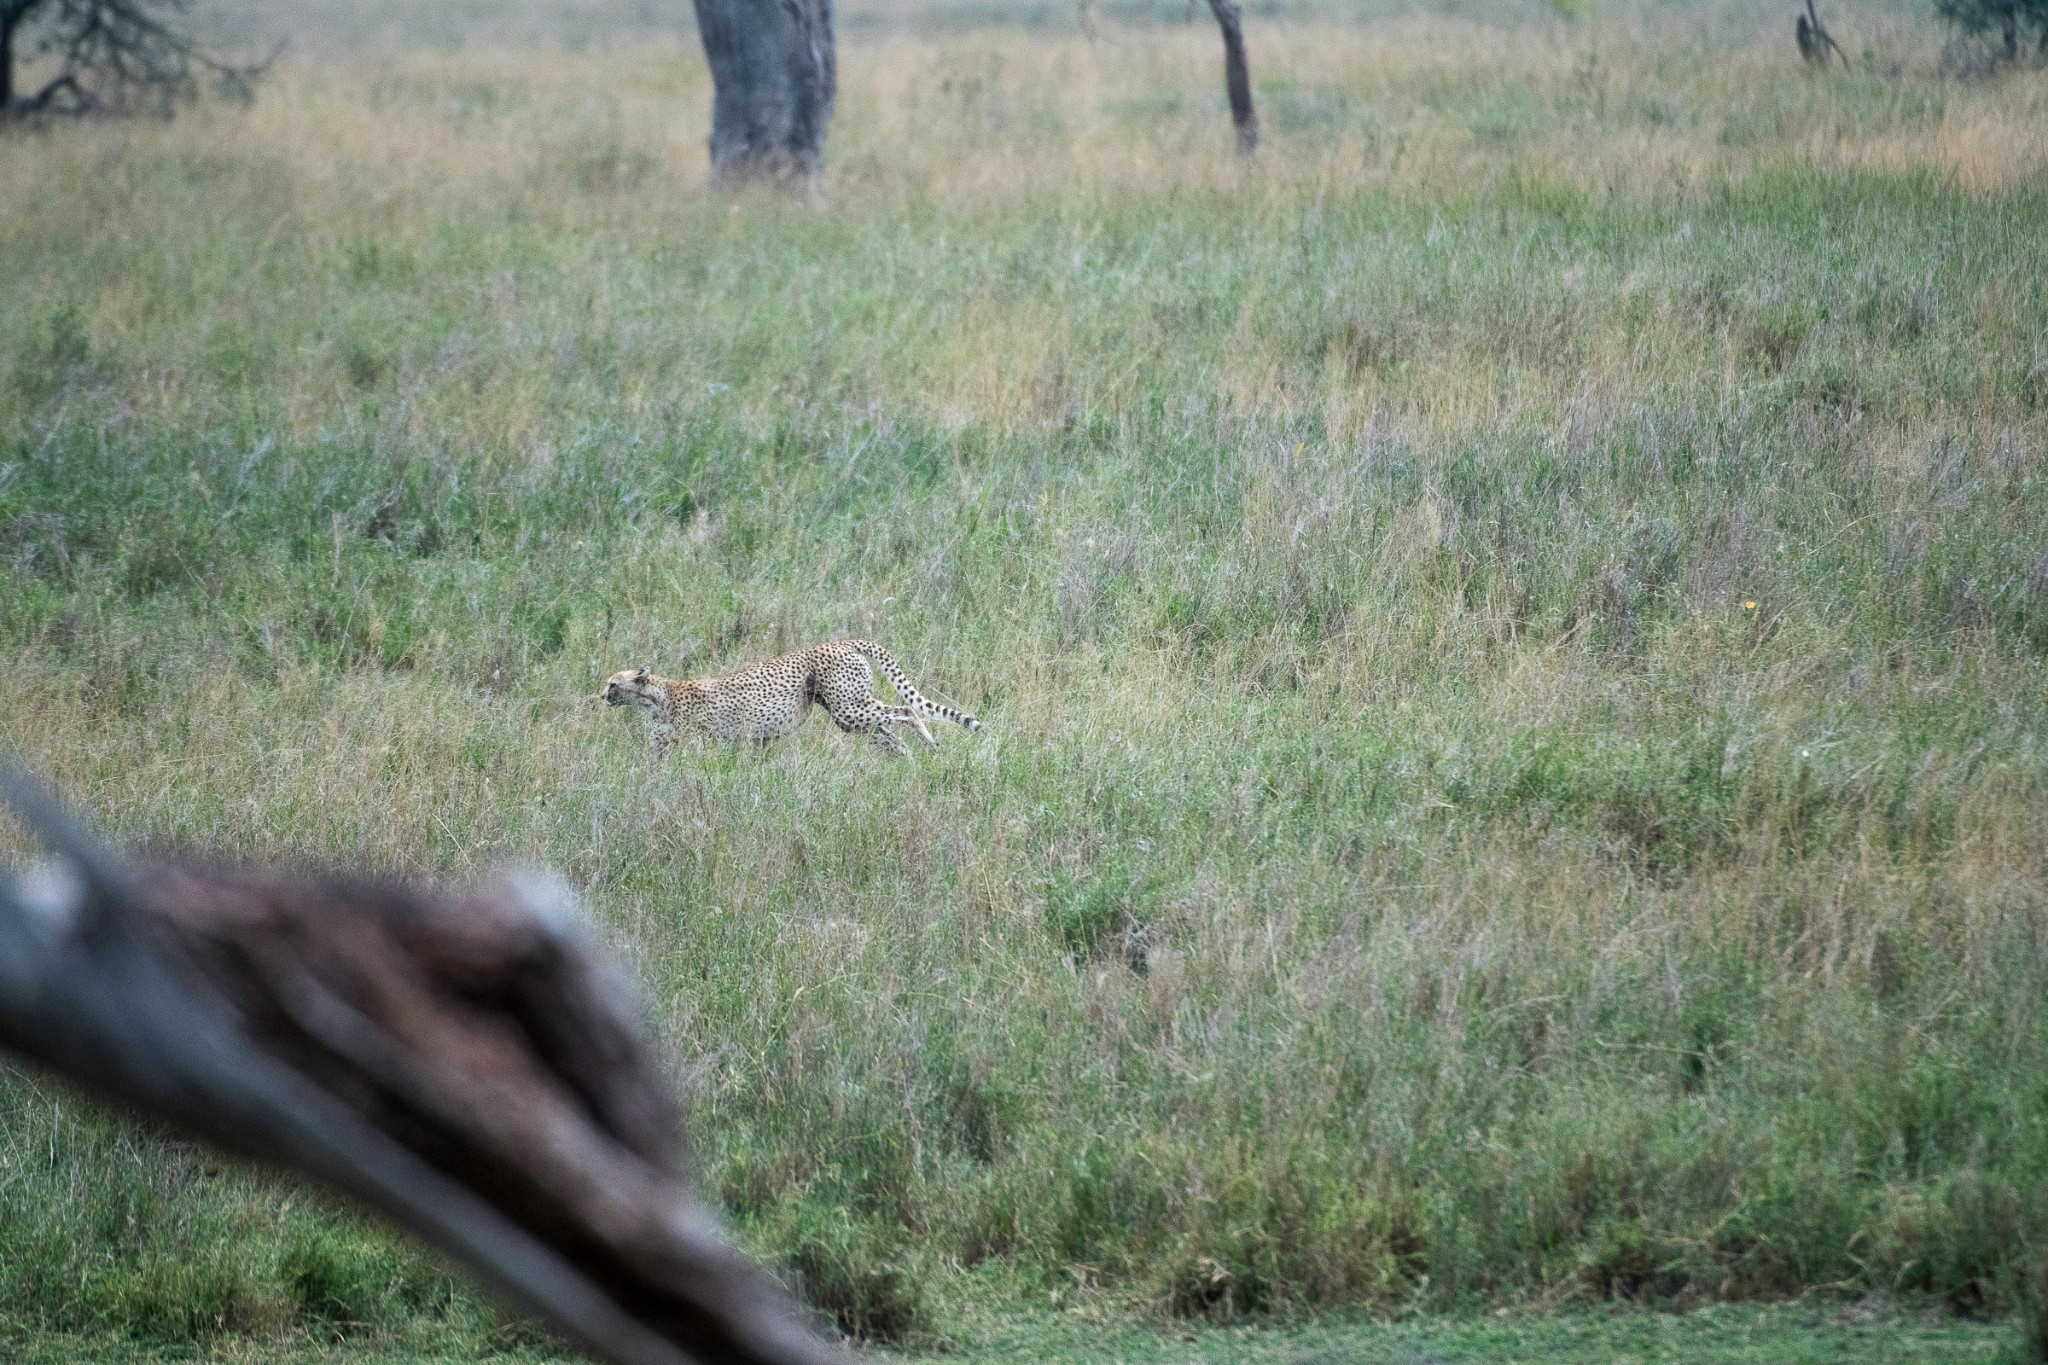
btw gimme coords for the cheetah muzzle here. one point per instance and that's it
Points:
(765, 701)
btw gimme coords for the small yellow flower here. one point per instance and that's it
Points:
(1749, 606)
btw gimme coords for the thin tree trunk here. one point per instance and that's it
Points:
(1237, 75)
(775, 73)
(1815, 42)
(2012, 36)
(6, 64)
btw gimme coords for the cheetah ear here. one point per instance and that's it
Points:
(639, 675)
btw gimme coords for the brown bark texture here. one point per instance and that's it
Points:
(463, 1060)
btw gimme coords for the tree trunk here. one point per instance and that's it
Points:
(1237, 76)
(775, 72)
(6, 64)
(2012, 35)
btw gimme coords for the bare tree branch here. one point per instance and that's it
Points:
(118, 56)
(1815, 42)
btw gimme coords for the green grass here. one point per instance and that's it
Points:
(1751, 1335)
(1511, 633)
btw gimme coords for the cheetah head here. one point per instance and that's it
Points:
(629, 687)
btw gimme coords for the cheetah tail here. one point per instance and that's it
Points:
(917, 700)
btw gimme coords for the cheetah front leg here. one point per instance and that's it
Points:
(664, 739)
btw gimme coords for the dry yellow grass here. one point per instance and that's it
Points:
(384, 144)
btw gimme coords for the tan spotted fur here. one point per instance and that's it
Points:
(766, 701)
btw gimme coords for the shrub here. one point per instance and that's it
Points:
(2010, 20)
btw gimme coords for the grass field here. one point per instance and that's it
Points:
(1511, 631)
(1746, 1334)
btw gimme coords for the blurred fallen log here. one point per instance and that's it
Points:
(463, 1061)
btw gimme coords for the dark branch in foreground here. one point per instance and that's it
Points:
(460, 1060)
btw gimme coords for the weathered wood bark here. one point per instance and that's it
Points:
(775, 72)
(462, 1060)
(1237, 75)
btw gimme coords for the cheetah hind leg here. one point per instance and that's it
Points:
(903, 715)
(872, 719)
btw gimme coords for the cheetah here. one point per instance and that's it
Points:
(765, 701)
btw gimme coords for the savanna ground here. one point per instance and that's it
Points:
(1511, 630)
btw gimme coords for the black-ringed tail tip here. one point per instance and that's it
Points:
(766, 701)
